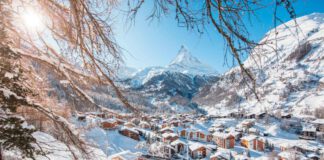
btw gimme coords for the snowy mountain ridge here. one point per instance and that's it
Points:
(300, 53)
(184, 63)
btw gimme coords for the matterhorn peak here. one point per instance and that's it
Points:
(186, 63)
(184, 57)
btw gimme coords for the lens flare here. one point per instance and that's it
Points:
(32, 20)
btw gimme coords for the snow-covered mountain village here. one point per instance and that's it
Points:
(63, 97)
(279, 128)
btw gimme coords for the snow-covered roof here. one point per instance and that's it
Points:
(222, 135)
(166, 129)
(247, 122)
(318, 121)
(178, 141)
(194, 146)
(109, 120)
(198, 128)
(285, 145)
(165, 135)
(253, 130)
(309, 128)
(221, 154)
(130, 129)
(126, 155)
(129, 123)
(218, 125)
(292, 153)
(249, 137)
(143, 123)
(313, 155)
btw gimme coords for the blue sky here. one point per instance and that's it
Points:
(156, 43)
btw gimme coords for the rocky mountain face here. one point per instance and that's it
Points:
(289, 73)
(175, 84)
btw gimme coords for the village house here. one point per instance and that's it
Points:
(308, 133)
(160, 149)
(313, 156)
(299, 146)
(253, 131)
(166, 130)
(218, 125)
(129, 124)
(97, 114)
(250, 115)
(286, 115)
(202, 135)
(120, 122)
(145, 118)
(154, 120)
(144, 125)
(203, 119)
(221, 155)
(247, 123)
(237, 135)
(196, 135)
(136, 121)
(224, 140)
(169, 137)
(82, 117)
(122, 116)
(109, 124)
(187, 123)
(126, 155)
(175, 123)
(198, 150)
(183, 133)
(178, 145)
(260, 115)
(165, 125)
(290, 155)
(318, 124)
(130, 132)
(253, 142)
(284, 146)
(305, 148)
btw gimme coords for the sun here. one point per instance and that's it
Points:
(32, 20)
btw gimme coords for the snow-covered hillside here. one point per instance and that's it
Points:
(289, 71)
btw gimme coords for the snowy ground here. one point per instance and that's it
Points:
(111, 142)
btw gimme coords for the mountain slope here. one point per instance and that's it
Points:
(183, 63)
(289, 79)
(174, 84)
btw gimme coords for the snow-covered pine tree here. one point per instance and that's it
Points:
(14, 132)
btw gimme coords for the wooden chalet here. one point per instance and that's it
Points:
(109, 124)
(198, 150)
(169, 137)
(308, 133)
(178, 145)
(224, 140)
(130, 132)
(319, 125)
(253, 142)
(144, 125)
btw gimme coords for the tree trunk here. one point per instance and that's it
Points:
(0, 152)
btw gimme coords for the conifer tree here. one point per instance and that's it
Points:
(14, 131)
